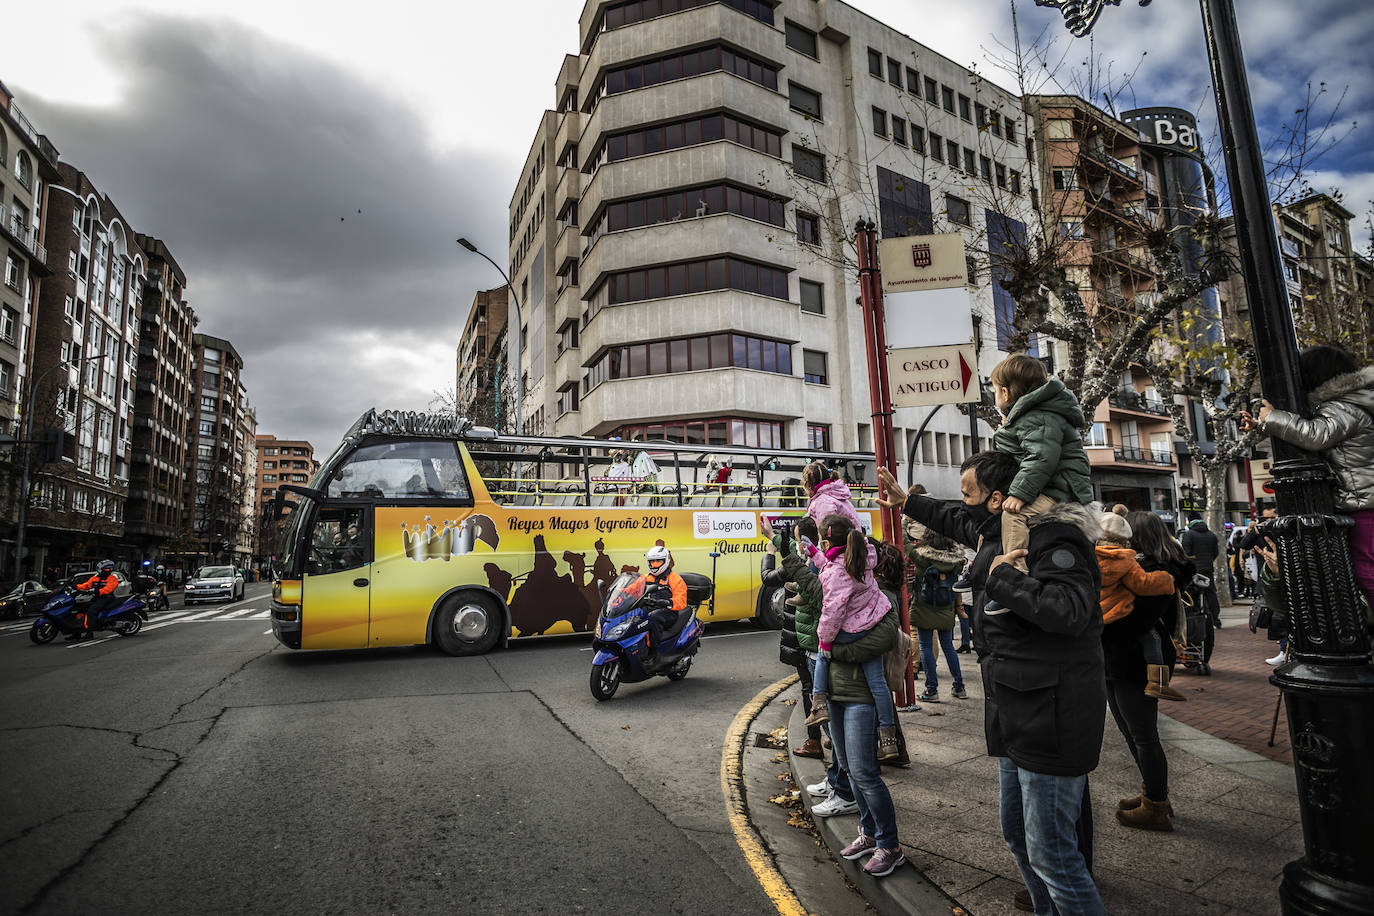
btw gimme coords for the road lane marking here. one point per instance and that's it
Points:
(243, 613)
(732, 787)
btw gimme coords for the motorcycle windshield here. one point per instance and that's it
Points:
(625, 592)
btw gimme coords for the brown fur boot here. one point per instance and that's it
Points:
(1151, 815)
(1130, 804)
(1158, 686)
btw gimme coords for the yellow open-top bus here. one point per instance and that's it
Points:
(424, 528)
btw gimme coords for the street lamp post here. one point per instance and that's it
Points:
(1328, 684)
(26, 431)
(510, 348)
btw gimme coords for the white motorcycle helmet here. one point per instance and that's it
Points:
(660, 561)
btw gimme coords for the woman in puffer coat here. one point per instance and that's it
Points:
(1342, 431)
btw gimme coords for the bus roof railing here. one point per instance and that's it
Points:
(417, 424)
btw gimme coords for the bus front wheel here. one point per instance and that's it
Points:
(468, 625)
(770, 608)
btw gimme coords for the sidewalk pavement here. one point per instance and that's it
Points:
(1236, 813)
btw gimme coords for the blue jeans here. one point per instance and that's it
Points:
(965, 632)
(873, 674)
(1039, 822)
(834, 773)
(854, 739)
(927, 638)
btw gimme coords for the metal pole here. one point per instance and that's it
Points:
(25, 433)
(1327, 683)
(519, 381)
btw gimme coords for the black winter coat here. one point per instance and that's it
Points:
(1125, 659)
(1200, 544)
(1045, 694)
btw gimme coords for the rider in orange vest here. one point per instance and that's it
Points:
(103, 582)
(661, 574)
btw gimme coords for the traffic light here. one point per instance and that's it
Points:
(52, 442)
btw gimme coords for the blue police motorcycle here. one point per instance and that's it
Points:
(621, 641)
(61, 615)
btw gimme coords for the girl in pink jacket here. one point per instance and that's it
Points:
(851, 603)
(827, 495)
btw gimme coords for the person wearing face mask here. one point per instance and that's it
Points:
(1044, 686)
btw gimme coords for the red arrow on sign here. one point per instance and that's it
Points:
(964, 371)
(1267, 487)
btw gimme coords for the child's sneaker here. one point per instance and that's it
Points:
(862, 846)
(885, 862)
(887, 743)
(962, 584)
(930, 696)
(820, 710)
(992, 607)
(960, 693)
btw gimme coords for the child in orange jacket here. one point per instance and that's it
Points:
(1123, 579)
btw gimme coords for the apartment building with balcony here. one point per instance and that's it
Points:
(216, 469)
(478, 383)
(85, 355)
(163, 398)
(282, 461)
(28, 164)
(678, 231)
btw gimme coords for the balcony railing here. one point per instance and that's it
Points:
(1113, 163)
(1141, 456)
(1129, 399)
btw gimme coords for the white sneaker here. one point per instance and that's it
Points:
(1275, 661)
(821, 789)
(834, 805)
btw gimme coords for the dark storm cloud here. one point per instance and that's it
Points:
(252, 160)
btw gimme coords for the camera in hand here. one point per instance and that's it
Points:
(787, 527)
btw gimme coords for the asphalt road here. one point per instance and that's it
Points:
(201, 767)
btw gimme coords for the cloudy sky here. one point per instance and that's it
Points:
(310, 170)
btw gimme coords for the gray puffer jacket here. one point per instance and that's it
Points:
(1342, 430)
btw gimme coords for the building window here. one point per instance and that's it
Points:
(7, 391)
(1015, 182)
(694, 277)
(1064, 179)
(937, 148)
(568, 400)
(985, 168)
(1059, 129)
(932, 91)
(980, 115)
(1009, 126)
(947, 98)
(9, 320)
(918, 139)
(818, 437)
(964, 111)
(894, 73)
(269, 465)
(956, 209)
(1001, 172)
(899, 131)
(688, 64)
(23, 170)
(691, 354)
(804, 100)
(666, 208)
(711, 431)
(269, 478)
(624, 14)
(875, 63)
(14, 272)
(1097, 437)
(952, 149)
(968, 161)
(807, 163)
(1071, 229)
(913, 82)
(690, 133)
(808, 228)
(879, 122)
(903, 205)
(812, 297)
(813, 367)
(800, 39)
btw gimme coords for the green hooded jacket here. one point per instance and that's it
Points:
(1043, 432)
(808, 614)
(925, 616)
(847, 681)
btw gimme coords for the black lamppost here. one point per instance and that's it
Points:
(1328, 684)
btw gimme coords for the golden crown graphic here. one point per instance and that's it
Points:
(453, 538)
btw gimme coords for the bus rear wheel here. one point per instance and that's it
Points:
(468, 625)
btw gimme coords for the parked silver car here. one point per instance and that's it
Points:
(214, 583)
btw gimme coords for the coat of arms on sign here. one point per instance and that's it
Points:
(920, 255)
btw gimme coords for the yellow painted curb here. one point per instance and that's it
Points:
(732, 787)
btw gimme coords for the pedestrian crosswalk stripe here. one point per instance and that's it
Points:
(240, 613)
(158, 621)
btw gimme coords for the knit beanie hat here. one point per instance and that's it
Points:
(1115, 527)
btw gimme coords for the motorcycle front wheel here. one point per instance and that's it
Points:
(42, 631)
(605, 680)
(128, 626)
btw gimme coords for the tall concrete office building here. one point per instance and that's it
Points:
(679, 234)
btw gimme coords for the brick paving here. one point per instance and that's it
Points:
(1237, 702)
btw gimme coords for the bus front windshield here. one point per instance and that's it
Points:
(293, 544)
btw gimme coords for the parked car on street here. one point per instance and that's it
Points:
(213, 583)
(23, 598)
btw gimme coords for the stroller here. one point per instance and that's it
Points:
(1197, 632)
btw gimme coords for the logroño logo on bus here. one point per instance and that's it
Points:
(710, 525)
